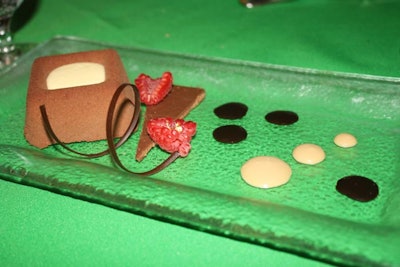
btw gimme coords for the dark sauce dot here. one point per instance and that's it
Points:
(231, 111)
(358, 188)
(282, 117)
(230, 134)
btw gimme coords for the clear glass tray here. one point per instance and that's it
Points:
(205, 191)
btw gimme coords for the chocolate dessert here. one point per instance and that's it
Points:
(76, 90)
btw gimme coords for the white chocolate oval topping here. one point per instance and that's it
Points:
(308, 154)
(266, 172)
(76, 74)
(345, 140)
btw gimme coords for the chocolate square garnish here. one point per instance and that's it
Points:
(178, 103)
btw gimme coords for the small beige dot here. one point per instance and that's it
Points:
(310, 154)
(266, 172)
(345, 140)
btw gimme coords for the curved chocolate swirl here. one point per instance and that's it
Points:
(112, 147)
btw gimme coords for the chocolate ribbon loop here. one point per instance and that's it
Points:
(112, 147)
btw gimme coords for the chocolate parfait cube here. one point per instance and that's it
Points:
(76, 90)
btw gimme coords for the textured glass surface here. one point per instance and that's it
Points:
(205, 191)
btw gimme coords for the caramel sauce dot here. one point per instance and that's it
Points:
(345, 140)
(310, 154)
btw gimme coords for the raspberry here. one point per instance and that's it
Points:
(152, 91)
(172, 135)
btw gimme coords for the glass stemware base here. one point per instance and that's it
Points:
(8, 51)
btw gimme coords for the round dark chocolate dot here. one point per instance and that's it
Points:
(282, 117)
(358, 188)
(231, 111)
(230, 134)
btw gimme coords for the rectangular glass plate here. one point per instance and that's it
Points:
(205, 190)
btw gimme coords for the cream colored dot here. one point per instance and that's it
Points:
(345, 140)
(266, 172)
(308, 154)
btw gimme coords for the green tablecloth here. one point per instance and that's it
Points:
(39, 228)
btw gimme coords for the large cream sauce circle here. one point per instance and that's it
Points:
(266, 172)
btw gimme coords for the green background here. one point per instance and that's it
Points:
(41, 228)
